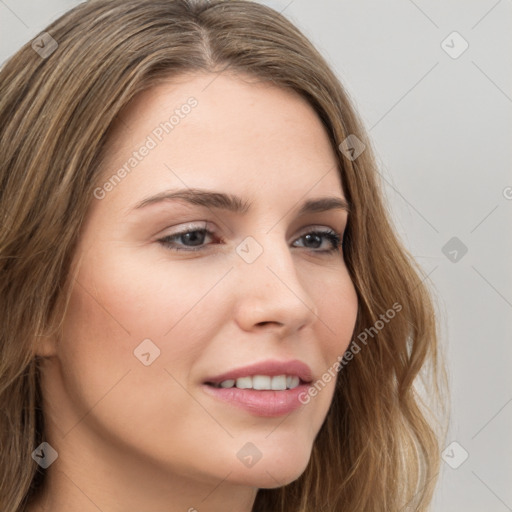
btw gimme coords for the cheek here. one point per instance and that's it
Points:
(336, 301)
(337, 304)
(118, 303)
(126, 300)
(113, 308)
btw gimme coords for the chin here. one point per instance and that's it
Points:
(276, 469)
(269, 477)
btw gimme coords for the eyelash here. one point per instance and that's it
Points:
(334, 237)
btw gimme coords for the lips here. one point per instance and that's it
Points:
(271, 368)
(258, 401)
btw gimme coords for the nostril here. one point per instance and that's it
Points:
(268, 322)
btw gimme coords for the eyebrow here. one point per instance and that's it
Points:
(235, 204)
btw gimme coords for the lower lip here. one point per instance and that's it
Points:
(266, 403)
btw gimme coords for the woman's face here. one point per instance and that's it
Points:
(162, 312)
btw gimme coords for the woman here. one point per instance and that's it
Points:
(204, 305)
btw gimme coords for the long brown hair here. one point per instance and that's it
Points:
(379, 446)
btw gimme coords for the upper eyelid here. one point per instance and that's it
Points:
(335, 237)
(205, 227)
(324, 230)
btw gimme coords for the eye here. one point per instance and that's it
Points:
(315, 240)
(193, 239)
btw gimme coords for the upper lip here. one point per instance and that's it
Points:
(269, 367)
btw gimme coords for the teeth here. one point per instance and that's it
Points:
(244, 383)
(279, 382)
(262, 382)
(292, 382)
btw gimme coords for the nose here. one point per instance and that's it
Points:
(270, 295)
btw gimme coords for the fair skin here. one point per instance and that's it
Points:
(132, 437)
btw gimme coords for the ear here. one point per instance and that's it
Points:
(45, 345)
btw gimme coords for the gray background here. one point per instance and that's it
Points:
(440, 127)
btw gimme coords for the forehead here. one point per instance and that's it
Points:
(240, 134)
